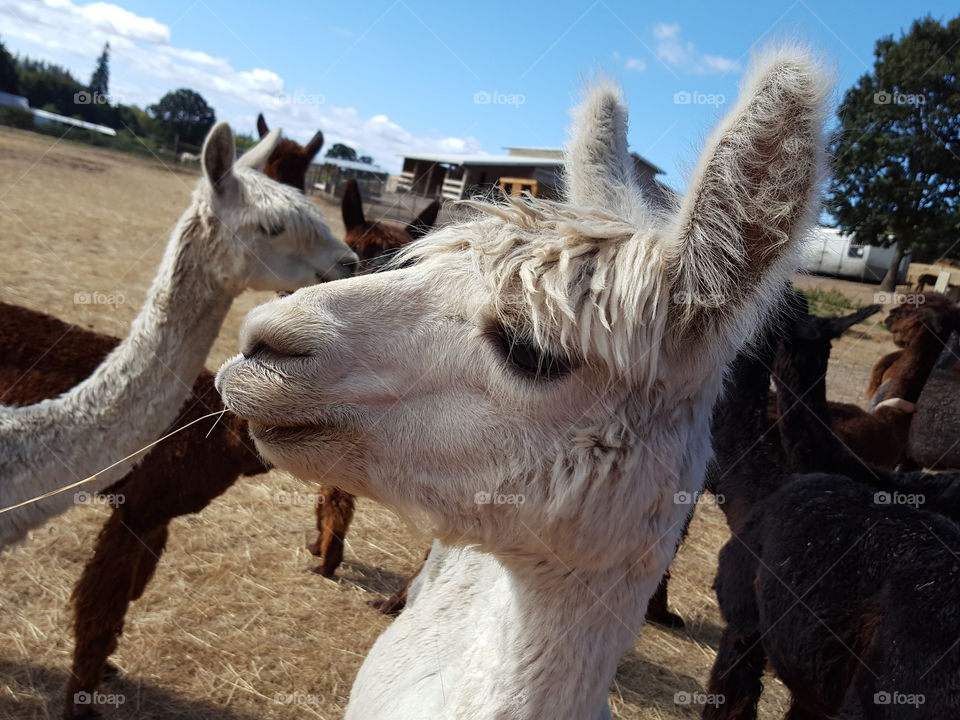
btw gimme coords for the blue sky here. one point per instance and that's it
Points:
(389, 75)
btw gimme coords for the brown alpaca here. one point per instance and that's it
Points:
(374, 242)
(43, 357)
(880, 436)
(289, 161)
(905, 323)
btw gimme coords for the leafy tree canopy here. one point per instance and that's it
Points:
(342, 152)
(897, 152)
(185, 113)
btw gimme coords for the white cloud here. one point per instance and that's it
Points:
(683, 55)
(117, 21)
(144, 65)
(636, 64)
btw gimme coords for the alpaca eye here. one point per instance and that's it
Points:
(271, 231)
(525, 357)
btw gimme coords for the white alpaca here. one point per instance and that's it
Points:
(538, 386)
(241, 230)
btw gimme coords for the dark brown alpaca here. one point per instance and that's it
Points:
(848, 594)
(373, 241)
(43, 357)
(289, 161)
(924, 280)
(376, 240)
(745, 430)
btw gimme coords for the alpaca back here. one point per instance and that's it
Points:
(42, 357)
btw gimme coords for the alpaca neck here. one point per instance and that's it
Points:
(909, 372)
(745, 446)
(129, 399)
(490, 638)
(154, 367)
(806, 432)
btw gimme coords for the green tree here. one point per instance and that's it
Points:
(244, 142)
(365, 159)
(9, 77)
(100, 80)
(183, 113)
(897, 152)
(44, 84)
(342, 152)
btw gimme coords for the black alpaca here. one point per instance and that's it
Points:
(850, 593)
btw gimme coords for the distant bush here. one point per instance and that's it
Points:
(17, 117)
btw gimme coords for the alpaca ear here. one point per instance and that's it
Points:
(313, 147)
(256, 157)
(598, 166)
(262, 125)
(753, 194)
(351, 206)
(839, 325)
(219, 154)
(424, 221)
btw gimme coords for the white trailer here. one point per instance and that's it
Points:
(830, 252)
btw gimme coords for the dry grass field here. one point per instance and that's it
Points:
(233, 625)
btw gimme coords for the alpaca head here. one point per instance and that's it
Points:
(934, 314)
(807, 338)
(372, 240)
(289, 161)
(540, 379)
(259, 233)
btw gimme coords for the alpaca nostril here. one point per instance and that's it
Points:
(262, 350)
(259, 348)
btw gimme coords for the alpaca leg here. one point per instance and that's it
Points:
(737, 677)
(398, 601)
(657, 610)
(118, 572)
(334, 513)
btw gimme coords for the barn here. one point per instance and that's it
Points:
(536, 170)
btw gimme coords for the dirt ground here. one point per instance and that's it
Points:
(233, 625)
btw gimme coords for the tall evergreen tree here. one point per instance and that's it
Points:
(9, 78)
(100, 80)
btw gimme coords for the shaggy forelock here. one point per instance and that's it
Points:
(579, 278)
